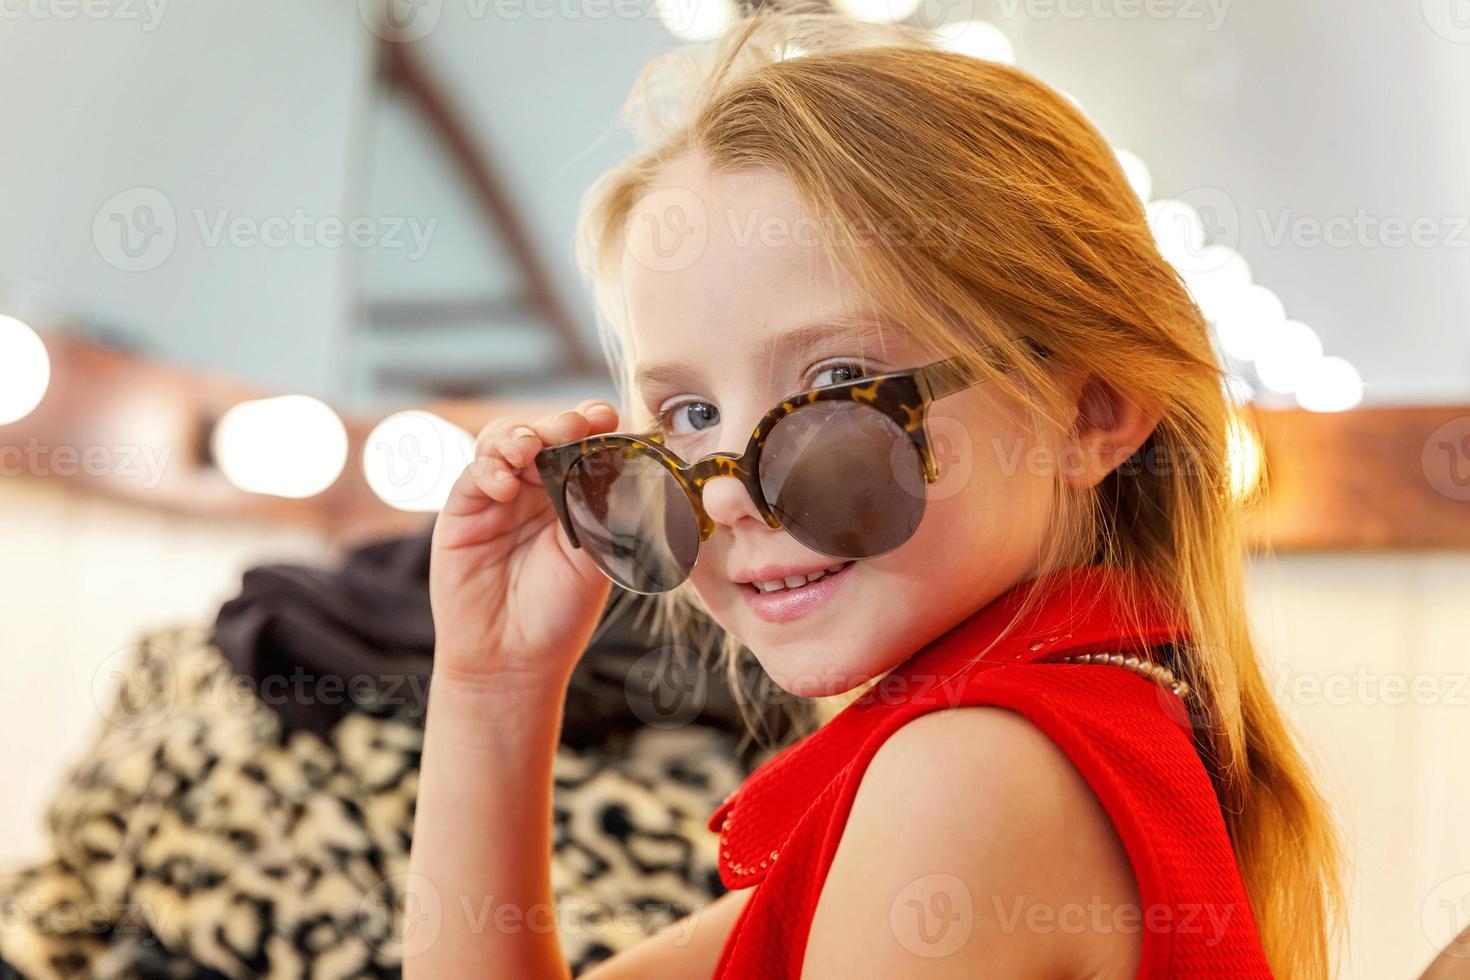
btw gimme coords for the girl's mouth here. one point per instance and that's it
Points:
(781, 605)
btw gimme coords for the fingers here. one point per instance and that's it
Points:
(506, 449)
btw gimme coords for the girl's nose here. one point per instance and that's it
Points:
(727, 503)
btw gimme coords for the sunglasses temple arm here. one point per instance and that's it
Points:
(951, 375)
(944, 378)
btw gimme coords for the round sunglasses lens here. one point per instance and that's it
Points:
(633, 518)
(839, 475)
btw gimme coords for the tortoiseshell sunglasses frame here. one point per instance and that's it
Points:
(903, 396)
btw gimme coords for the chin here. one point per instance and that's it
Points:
(819, 676)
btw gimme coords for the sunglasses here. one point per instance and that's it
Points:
(841, 468)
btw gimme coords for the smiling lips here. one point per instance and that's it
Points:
(797, 580)
(783, 600)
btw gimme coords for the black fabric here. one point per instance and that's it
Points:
(315, 643)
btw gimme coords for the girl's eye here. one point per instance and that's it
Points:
(847, 372)
(687, 417)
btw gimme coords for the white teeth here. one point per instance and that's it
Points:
(796, 581)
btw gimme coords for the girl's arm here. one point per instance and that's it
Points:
(482, 833)
(482, 837)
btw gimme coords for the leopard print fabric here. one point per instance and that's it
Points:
(196, 839)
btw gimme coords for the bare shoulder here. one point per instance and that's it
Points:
(974, 844)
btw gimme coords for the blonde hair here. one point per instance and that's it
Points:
(1007, 218)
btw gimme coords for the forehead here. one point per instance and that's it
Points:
(722, 262)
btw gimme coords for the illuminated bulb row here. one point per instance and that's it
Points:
(700, 20)
(291, 446)
(1249, 320)
(296, 446)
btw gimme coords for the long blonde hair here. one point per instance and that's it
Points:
(1007, 218)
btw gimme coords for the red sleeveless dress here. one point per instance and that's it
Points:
(1129, 737)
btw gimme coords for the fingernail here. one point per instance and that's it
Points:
(522, 430)
(594, 405)
(558, 415)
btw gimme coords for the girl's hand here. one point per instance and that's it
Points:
(512, 599)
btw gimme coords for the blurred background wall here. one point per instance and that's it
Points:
(172, 175)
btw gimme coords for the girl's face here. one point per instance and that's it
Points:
(733, 306)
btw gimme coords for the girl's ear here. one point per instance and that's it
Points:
(1108, 429)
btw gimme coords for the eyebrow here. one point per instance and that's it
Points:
(851, 326)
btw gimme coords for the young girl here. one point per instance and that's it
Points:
(1019, 546)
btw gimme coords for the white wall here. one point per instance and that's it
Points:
(1368, 652)
(242, 109)
(81, 578)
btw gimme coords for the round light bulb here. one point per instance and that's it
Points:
(695, 20)
(291, 446)
(1178, 231)
(1290, 350)
(1244, 319)
(25, 370)
(879, 11)
(1330, 385)
(978, 39)
(1136, 171)
(411, 460)
(1216, 270)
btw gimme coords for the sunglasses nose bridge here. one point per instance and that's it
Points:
(726, 464)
